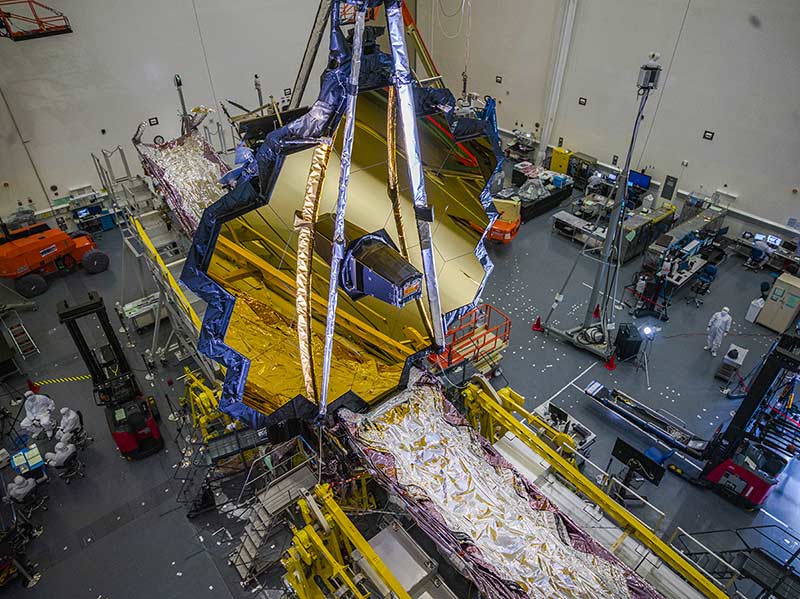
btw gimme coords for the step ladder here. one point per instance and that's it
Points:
(19, 334)
(279, 495)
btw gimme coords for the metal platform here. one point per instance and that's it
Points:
(660, 423)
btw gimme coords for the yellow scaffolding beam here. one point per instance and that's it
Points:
(630, 523)
(179, 295)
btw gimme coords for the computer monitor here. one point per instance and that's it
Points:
(639, 179)
(83, 213)
(611, 177)
(759, 237)
(774, 240)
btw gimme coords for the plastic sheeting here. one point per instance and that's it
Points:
(508, 538)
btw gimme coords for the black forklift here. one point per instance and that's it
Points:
(132, 417)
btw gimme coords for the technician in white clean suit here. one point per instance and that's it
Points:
(718, 327)
(70, 423)
(38, 414)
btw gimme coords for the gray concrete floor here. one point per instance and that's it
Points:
(119, 534)
(529, 272)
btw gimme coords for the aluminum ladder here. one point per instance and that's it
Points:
(19, 334)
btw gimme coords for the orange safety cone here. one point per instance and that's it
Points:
(33, 386)
(537, 326)
(596, 312)
(611, 363)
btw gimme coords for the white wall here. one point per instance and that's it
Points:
(736, 71)
(510, 38)
(116, 70)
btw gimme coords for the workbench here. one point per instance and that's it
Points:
(780, 260)
(531, 208)
(709, 219)
(681, 278)
(578, 229)
(638, 230)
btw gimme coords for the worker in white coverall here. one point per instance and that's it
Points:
(62, 453)
(718, 327)
(19, 488)
(70, 423)
(38, 414)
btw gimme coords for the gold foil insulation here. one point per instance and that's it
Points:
(268, 338)
(305, 256)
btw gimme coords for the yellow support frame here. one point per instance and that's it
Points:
(475, 396)
(319, 555)
(495, 414)
(180, 296)
(203, 403)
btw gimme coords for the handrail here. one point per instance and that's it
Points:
(638, 529)
(681, 534)
(153, 254)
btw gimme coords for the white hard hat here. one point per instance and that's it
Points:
(726, 309)
(59, 445)
(19, 479)
(64, 410)
(29, 393)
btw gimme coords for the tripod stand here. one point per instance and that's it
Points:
(642, 359)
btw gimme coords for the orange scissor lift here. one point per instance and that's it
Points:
(478, 337)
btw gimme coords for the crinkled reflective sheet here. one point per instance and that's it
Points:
(188, 172)
(270, 341)
(519, 544)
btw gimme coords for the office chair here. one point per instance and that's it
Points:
(32, 502)
(702, 284)
(758, 258)
(72, 467)
(699, 288)
(709, 274)
(79, 438)
(765, 288)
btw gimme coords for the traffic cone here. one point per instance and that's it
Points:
(537, 326)
(33, 386)
(611, 363)
(596, 312)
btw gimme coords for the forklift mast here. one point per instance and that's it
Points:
(782, 357)
(107, 372)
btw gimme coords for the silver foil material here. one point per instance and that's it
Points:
(341, 204)
(405, 97)
(515, 542)
(189, 173)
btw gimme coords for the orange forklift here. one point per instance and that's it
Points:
(29, 254)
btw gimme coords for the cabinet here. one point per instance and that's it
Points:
(783, 304)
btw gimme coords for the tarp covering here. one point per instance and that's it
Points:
(511, 541)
